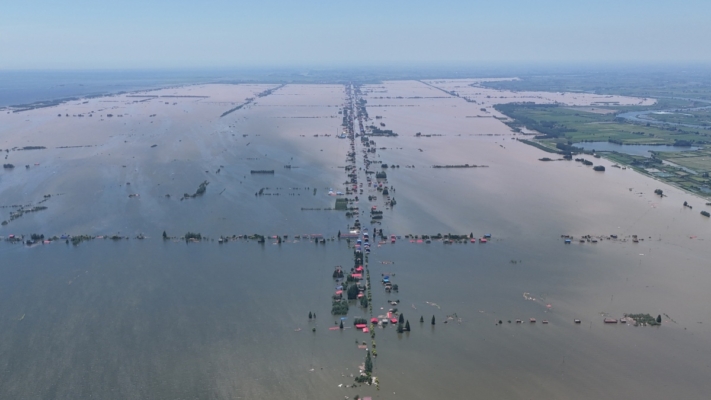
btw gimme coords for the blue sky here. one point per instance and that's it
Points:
(80, 34)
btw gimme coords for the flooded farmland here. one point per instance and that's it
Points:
(148, 317)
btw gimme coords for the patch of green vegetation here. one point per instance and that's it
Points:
(700, 117)
(341, 204)
(645, 319)
(561, 127)
(570, 125)
(691, 83)
(193, 235)
(339, 307)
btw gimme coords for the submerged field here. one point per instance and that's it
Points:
(176, 318)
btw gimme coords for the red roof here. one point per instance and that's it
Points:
(357, 275)
(361, 326)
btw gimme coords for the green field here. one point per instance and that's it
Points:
(561, 127)
(691, 83)
(694, 117)
(570, 125)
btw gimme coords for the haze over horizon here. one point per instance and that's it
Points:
(179, 34)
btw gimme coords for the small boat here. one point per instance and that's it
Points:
(545, 321)
(577, 321)
(518, 321)
(610, 321)
(532, 320)
(482, 240)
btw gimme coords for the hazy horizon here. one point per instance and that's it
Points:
(179, 34)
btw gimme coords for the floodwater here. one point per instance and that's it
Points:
(631, 149)
(149, 318)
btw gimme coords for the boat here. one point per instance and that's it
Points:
(611, 320)
(545, 321)
(482, 240)
(577, 321)
(532, 320)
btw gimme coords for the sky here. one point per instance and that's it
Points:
(78, 34)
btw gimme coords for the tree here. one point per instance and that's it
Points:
(659, 319)
(433, 320)
(400, 329)
(310, 315)
(165, 235)
(353, 292)
(341, 325)
(368, 364)
(422, 319)
(364, 302)
(402, 319)
(407, 326)
(339, 234)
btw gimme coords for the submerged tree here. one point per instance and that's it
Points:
(401, 319)
(433, 320)
(368, 364)
(341, 325)
(407, 326)
(310, 315)
(352, 292)
(364, 302)
(400, 328)
(422, 319)
(659, 319)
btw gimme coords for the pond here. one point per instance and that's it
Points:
(631, 149)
